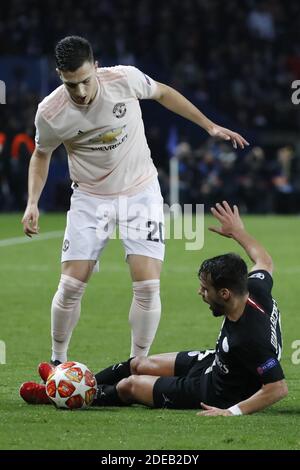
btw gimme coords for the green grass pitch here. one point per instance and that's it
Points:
(28, 279)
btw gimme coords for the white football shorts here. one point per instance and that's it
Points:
(92, 221)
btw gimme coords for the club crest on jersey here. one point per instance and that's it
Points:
(66, 245)
(119, 110)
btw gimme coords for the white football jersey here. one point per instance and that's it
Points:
(106, 144)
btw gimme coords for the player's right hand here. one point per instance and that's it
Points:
(30, 220)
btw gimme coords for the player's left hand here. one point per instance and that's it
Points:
(231, 222)
(225, 134)
(212, 411)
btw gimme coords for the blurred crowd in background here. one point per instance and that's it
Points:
(213, 172)
(234, 59)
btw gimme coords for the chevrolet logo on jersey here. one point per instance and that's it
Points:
(107, 137)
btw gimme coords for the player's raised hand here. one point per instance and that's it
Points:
(226, 134)
(230, 220)
(212, 411)
(30, 220)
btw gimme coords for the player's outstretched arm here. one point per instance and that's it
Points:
(232, 226)
(176, 102)
(37, 177)
(266, 396)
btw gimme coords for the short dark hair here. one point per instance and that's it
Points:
(71, 53)
(226, 271)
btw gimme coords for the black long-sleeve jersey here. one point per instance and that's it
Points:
(248, 350)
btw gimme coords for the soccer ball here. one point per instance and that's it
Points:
(71, 385)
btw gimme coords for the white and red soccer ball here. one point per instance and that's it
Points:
(71, 385)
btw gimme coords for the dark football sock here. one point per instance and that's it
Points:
(113, 374)
(107, 395)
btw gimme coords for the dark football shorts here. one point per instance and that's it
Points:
(189, 385)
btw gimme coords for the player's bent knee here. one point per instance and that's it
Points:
(144, 366)
(138, 365)
(69, 290)
(125, 389)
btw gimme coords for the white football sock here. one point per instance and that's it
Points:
(65, 313)
(144, 315)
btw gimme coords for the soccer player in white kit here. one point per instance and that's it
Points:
(96, 114)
